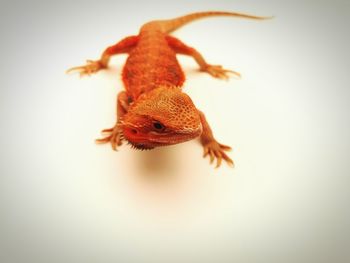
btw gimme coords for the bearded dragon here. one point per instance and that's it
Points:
(153, 110)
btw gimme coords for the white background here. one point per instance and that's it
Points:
(65, 199)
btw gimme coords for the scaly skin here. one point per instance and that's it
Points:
(153, 111)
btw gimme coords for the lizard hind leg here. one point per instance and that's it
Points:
(92, 66)
(216, 71)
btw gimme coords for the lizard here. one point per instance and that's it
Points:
(153, 110)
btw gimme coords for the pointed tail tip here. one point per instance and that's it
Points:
(258, 17)
(266, 17)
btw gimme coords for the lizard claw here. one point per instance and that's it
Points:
(217, 150)
(114, 137)
(91, 67)
(218, 71)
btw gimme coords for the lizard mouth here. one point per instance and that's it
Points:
(150, 140)
(139, 146)
(149, 145)
(139, 141)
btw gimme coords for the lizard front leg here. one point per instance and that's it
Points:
(114, 135)
(93, 66)
(212, 147)
(216, 71)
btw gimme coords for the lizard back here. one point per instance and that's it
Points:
(152, 63)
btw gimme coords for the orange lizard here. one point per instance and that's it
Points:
(153, 110)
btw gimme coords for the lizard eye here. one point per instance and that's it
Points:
(158, 126)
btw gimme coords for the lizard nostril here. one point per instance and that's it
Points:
(134, 131)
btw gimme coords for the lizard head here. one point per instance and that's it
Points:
(162, 116)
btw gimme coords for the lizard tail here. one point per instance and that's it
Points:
(168, 26)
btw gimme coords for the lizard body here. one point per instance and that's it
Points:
(153, 110)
